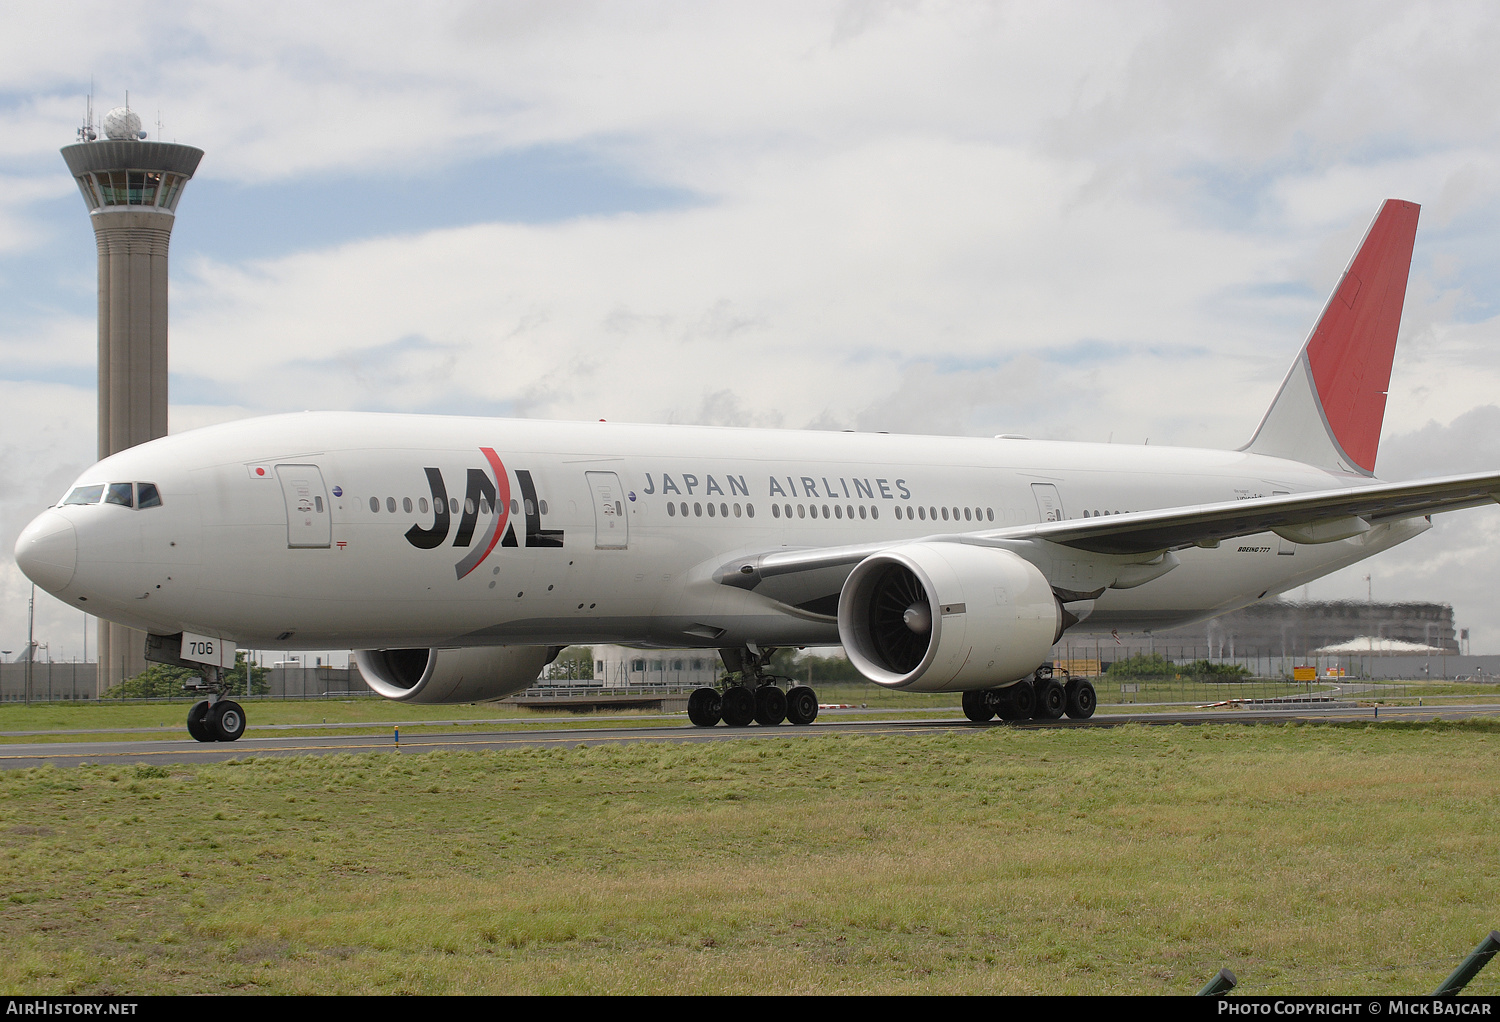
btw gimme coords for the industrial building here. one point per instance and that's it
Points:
(1284, 628)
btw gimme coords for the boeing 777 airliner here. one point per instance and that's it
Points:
(458, 555)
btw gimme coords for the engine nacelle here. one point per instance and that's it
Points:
(472, 674)
(947, 617)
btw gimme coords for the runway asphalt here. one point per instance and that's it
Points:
(271, 742)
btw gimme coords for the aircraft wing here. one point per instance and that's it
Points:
(1319, 516)
(811, 578)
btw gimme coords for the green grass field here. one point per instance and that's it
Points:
(1308, 859)
(109, 718)
(377, 713)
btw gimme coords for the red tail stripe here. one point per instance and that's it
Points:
(1353, 345)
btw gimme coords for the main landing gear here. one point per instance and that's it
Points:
(755, 698)
(1043, 697)
(215, 719)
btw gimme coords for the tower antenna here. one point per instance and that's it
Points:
(87, 132)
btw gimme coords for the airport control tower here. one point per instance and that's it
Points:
(132, 187)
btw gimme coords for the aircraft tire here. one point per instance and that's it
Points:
(738, 706)
(802, 705)
(1051, 700)
(225, 721)
(196, 722)
(978, 706)
(704, 707)
(770, 706)
(1018, 701)
(1082, 700)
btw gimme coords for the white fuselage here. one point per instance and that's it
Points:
(608, 561)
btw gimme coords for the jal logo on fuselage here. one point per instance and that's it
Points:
(487, 497)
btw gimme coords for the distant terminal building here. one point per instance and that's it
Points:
(621, 667)
(132, 187)
(1283, 628)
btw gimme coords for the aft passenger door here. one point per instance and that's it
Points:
(1048, 502)
(611, 530)
(308, 521)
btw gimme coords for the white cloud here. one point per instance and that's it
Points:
(37, 463)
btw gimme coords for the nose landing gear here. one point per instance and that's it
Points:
(215, 719)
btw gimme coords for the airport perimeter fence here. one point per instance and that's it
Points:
(1122, 673)
(1130, 673)
(51, 682)
(70, 682)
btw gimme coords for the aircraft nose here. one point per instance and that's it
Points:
(48, 551)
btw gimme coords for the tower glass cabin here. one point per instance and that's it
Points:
(132, 187)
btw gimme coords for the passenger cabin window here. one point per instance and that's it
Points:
(86, 494)
(120, 493)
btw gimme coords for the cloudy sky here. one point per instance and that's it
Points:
(1077, 221)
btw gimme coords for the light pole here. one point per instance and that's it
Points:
(30, 640)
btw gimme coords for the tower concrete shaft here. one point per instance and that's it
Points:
(132, 188)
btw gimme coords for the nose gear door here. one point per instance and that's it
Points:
(308, 522)
(611, 531)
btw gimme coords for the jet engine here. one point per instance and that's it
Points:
(946, 617)
(471, 674)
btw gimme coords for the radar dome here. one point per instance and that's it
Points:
(122, 122)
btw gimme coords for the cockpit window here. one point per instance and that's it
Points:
(147, 495)
(120, 493)
(86, 494)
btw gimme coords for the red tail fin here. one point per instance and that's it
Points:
(1348, 357)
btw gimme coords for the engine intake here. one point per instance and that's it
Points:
(946, 617)
(472, 674)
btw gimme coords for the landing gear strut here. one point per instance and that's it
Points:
(755, 698)
(215, 719)
(1042, 696)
